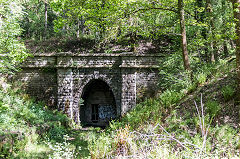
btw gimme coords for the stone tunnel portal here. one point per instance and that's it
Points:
(110, 84)
(99, 105)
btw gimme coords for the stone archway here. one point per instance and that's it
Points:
(99, 105)
(64, 78)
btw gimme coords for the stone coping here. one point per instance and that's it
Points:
(108, 66)
(70, 54)
(104, 60)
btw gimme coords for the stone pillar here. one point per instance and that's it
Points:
(65, 90)
(128, 89)
(78, 79)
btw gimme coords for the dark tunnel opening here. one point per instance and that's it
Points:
(99, 105)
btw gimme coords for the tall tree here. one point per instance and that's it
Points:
(46, 18)
(236, 10)
(184, 36)
(210, 17)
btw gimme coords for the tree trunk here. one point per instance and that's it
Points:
(236, 6)
(200, 17)
(225, 49)
(184, 36)
(212, 44)
(78, 28)
(46, 19)
(82, 25)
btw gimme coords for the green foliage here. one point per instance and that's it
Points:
(174, 141)
(12, 50)
(147, 111)
(201, 78)
(226, 139)
(102, 143)
(23, 123)
(62, 150)
(135, 20)
(173, 75)
(213, 108)
(169, 98)
(227, 92)
(113, 19)
(33, 21)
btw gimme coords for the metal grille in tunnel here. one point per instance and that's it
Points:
(95, 113)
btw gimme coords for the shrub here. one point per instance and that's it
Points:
(173, 76)
(227, 92)
(213, 108)
(201, 78)
(24, 123)
(100, 146)
(180, 138)
(170, 98)
(149, 110)
(62, 150)
(226, 140)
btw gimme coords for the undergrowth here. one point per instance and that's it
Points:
(161, 128)
(29, 129)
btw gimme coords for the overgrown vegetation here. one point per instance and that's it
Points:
(161, 127)
(29, 129)
(196, 114)
(164, 127)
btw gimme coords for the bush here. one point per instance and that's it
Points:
(227, 92)
(172, 74)
(145, 112)
(62, 150)
(170, 98)
(213, 108)
(201, 78)
(100, 146)
(12, 50)
(24, 123)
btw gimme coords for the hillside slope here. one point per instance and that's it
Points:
(202, 122)
(29, 129)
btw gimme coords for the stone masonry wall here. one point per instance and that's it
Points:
(147, 83)
(61, 78)
(40, 83)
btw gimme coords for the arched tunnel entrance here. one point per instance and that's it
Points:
(99, 105)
